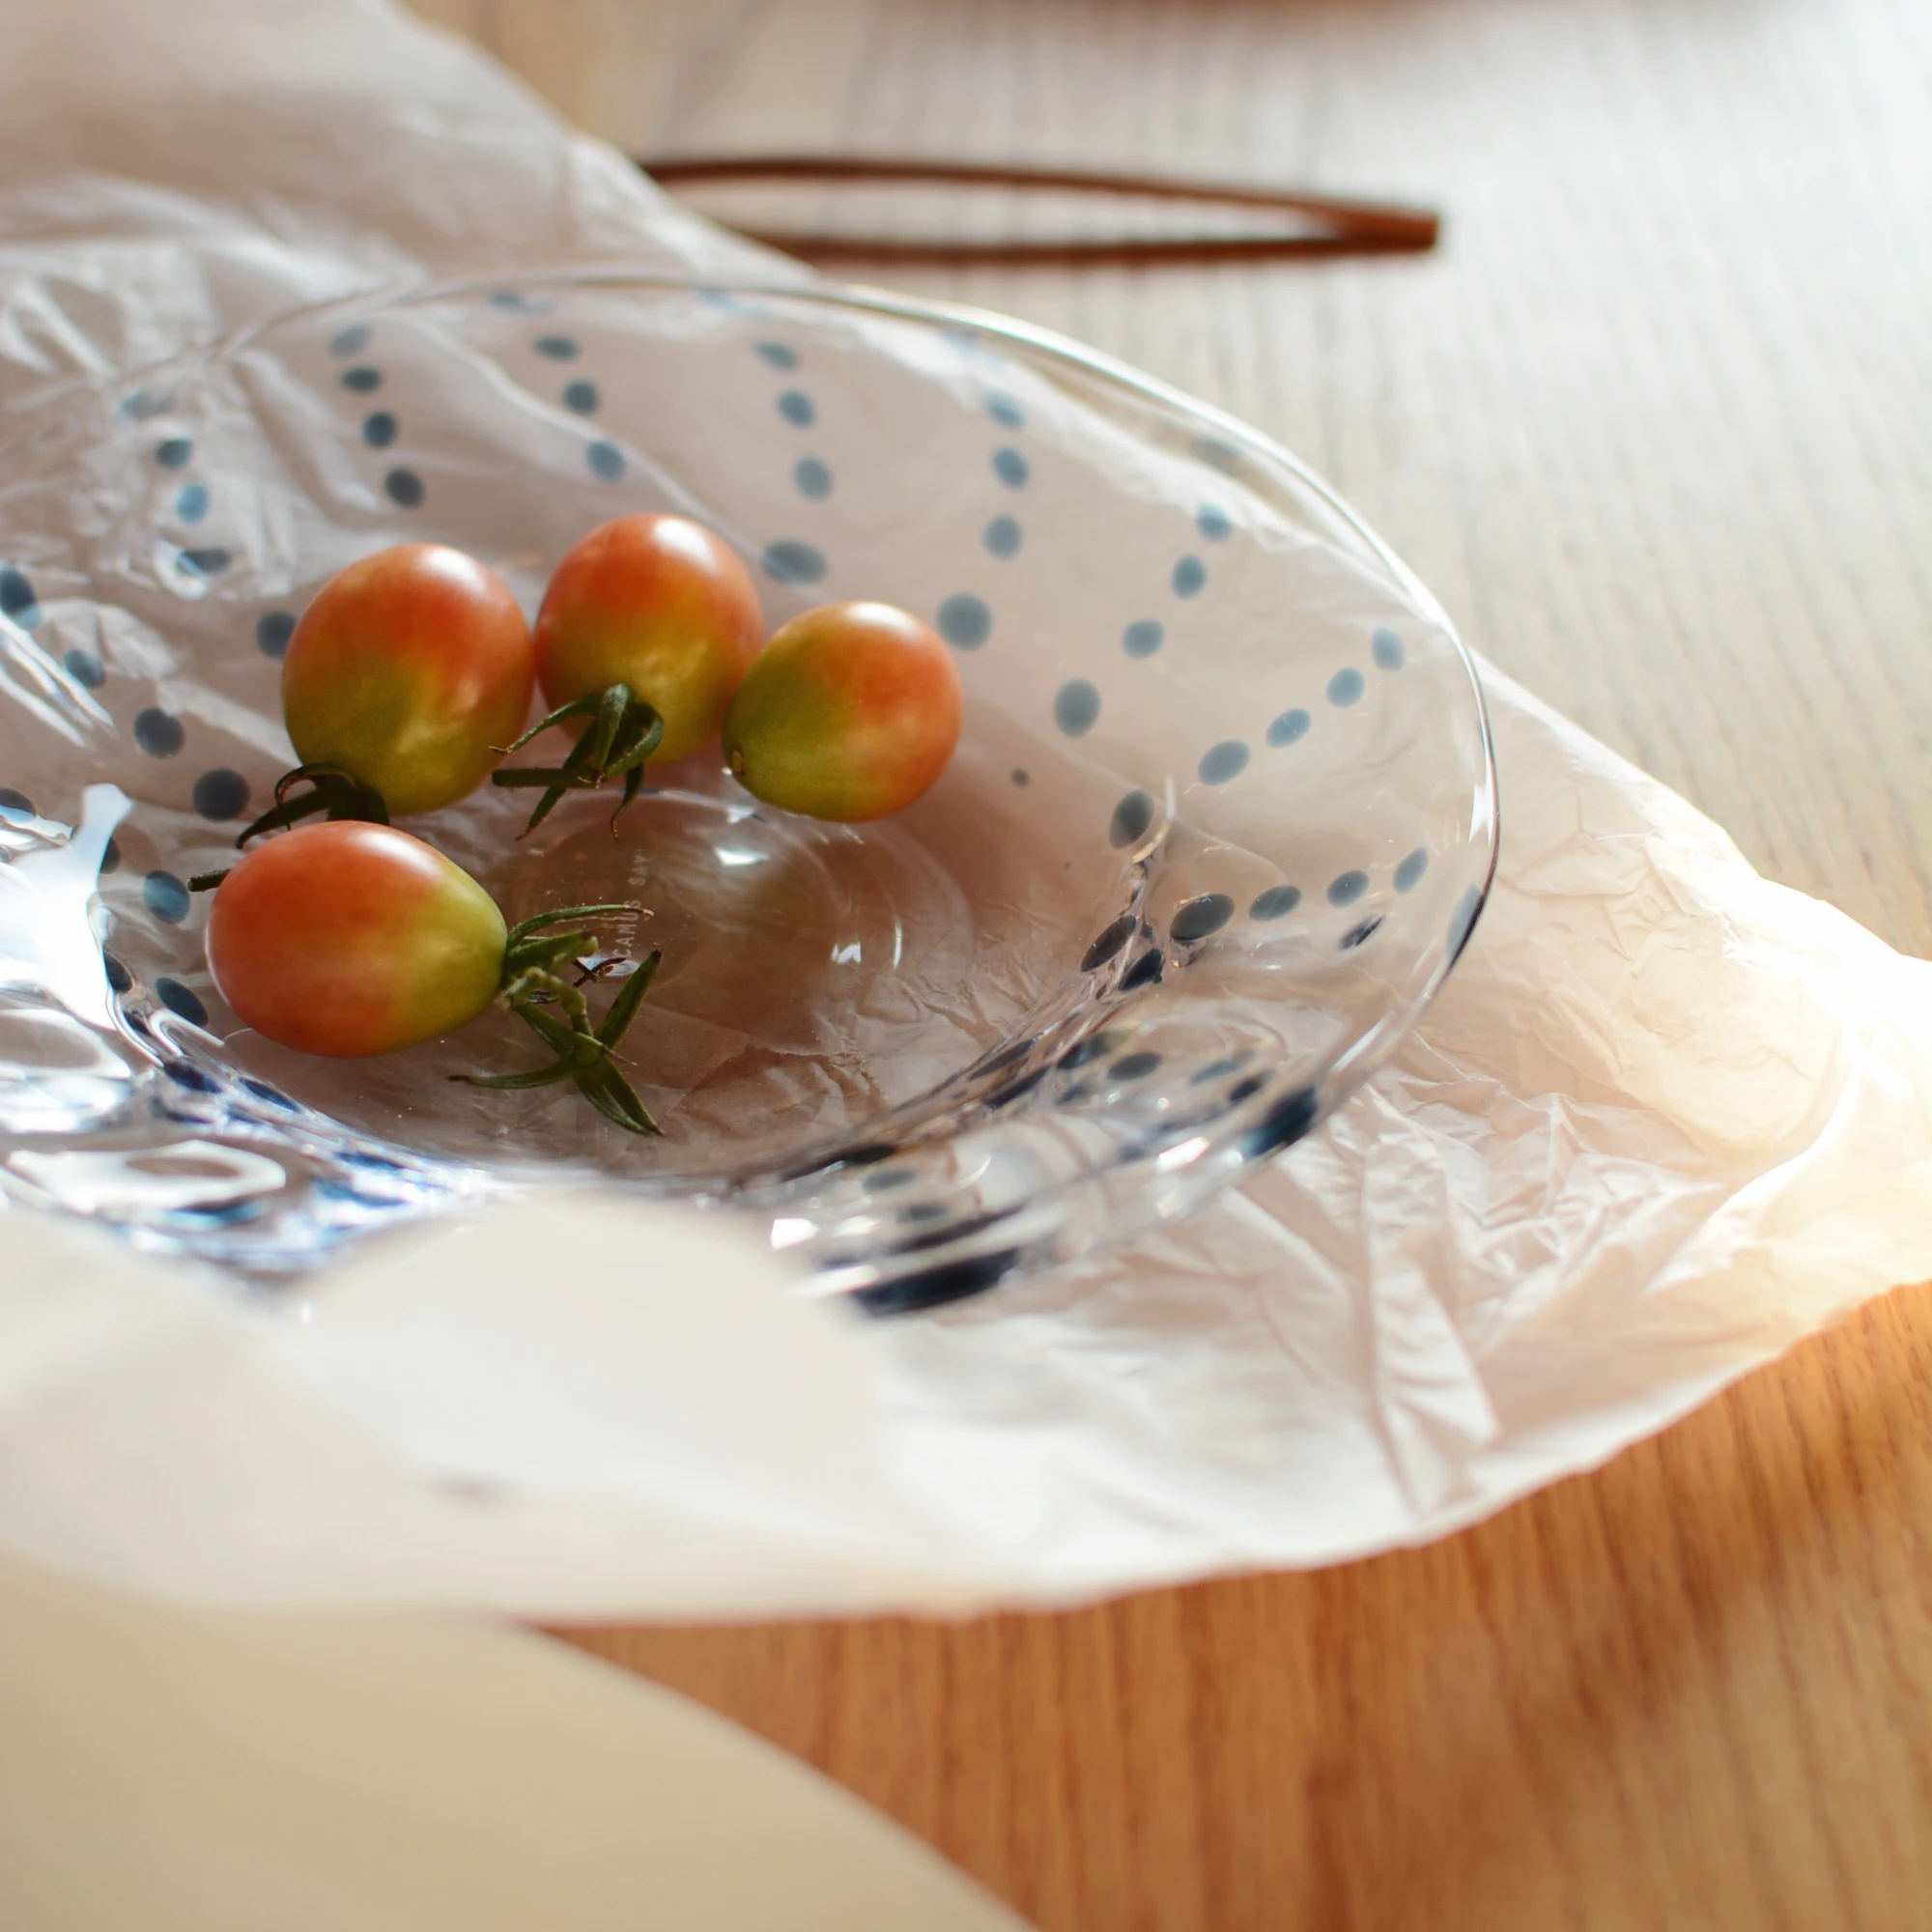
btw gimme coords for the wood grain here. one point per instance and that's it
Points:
(1654, 425)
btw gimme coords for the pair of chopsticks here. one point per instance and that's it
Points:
(1332, 226)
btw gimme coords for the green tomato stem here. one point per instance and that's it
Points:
(620, 736)
(331, 789)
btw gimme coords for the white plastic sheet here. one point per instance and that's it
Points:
(1666, 1119)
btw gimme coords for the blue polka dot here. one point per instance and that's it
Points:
(174, 452)
(790, 562)
(1190, 574)
(1219, 763)
(518, 303)
(165, 896)
(1287, 728)
(142, 405)
(1131, 818)
(1348, 888)
(1199, 916)
(1347, 686)
(1003, 411)
(1143, 638)
(273, 631)
(1277, 903)
(582, 397)
(1217, 454)
(85, 669)
(1464, 919)
(192, 503)
(118, 976)
(177, 999)
(1410, 871)
(812, 478)
(207, 561)
(558, 348)
(403, 487)
(1076, 707)
(110, 857)
(1002, 537)
(1010, 467)
(349, 341)
(1358, 935)
(220, 795)
(361, 379)
(964, 622)
(1021, 777)
(16, 597)
(605, 460)
(158, 734)
(379, 430)
(15, 803)
(1106, 946)
(777, 354)
(1214, 523)
(795, 406)
(1134, 1066)
(1145, 971)
(1388, 650)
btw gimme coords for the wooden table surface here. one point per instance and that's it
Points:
(1656, 424)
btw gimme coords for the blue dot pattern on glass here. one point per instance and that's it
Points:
(16, 597)
(1388, 649)
(1358, 935)
(1003, 411)
(273, 631)
(964, 622)
(118, 976)
(165, 896)
(13, 802)
(795, 406)
(1003, 537)
(1217, 454)
(1010, 467)
(1143, 638)
(173, 452)
(110, 857)
(1131, 818)
(790, 561)
(158, 734)
(558, 348)
(1348, 888)
(582, 397)
(605, 460)
(1076, 707)
(812, 478)
(1219, 763)
(403, 487)
(1411, 870)
(220, 795)
(1287, 728)
(1214, 523)
(205, 560)
(1190, 577)
(192, 502)
(179, 999)
(1199, 916)
(1277, 903)
(1347, 686)
(349, 341)
(85, 669)
(1135, 1065)
(1145, 971)
(1463, 919)
(1021, 777)
(361, 379)
(379, 430)
(1107, 944)
(777, 354)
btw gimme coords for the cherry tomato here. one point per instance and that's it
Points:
(404, 670)
(849, 712)
(660, 605)
(348, 939)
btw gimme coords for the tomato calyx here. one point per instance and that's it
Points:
(332, 789)
(622, 733)
(581, 1047)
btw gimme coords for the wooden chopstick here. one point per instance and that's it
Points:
(1342, 227)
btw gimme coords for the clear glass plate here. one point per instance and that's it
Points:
(1222, 817)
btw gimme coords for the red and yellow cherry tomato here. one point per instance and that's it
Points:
(406, 670)
(659, 603)
(849, 712)
(348, 939)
